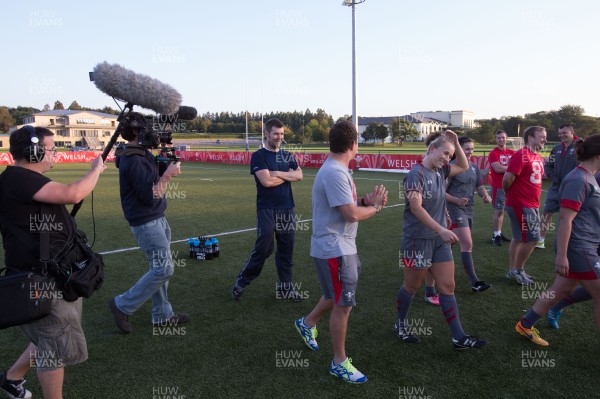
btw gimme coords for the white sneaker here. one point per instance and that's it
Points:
(521, 277)
(527, 275)
(347, 372)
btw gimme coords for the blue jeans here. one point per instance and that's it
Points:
(154, 238)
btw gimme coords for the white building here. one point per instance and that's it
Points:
(462, 118)
(423, 125)
(75, 128)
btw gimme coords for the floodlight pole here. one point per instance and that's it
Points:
(247, 146)
(353, 3)
(246, 114)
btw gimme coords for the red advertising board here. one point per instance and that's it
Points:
(305, 160)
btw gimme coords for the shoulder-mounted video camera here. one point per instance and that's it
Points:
(148, 133)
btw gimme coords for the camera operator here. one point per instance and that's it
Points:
(143, 202)
(56, 340)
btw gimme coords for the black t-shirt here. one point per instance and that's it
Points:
(22, 221)
(278, 197)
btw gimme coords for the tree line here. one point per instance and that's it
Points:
(308, 126)
(302, 127)
(401, 130)
(583, 125)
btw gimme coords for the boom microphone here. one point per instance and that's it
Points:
(184, 113)
(135, 88)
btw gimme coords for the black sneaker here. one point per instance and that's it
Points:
(497, 240)
(405, 335)
(480, 286)
(468, 342)
(13, 389)
(236, 292)
(504, 238)
(121, 319)
(290, 294)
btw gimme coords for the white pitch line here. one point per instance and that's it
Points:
(305, 174)
(116, 251)
(366, 178)
(185, 239)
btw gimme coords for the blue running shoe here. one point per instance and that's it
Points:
(552, 316)
(236, 292)
(308, 334)
(347, 372)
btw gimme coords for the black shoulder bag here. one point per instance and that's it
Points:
(77, 269)
(26, 296)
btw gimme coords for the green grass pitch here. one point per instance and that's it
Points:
(250, 349)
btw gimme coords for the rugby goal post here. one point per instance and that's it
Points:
(515, 142)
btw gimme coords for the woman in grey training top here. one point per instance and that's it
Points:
(426, 239)
(459, 195)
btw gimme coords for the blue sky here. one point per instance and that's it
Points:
(493, 58)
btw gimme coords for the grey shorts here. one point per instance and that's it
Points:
(338, 278)
(525, 223)
(498, 198)
(421, 253)
(584, 261)
(459, 217)
(59, 337)
(552, 204)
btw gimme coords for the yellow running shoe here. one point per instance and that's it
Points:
(531, 333)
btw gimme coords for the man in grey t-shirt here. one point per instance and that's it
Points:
(336, 213)
(332, 236)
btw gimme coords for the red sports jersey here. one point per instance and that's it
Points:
(501, 156)
(527, 187)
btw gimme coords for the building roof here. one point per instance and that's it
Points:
(68, 112)
(426, 118)
(388, 120)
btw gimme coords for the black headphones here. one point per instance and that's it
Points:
(33, 153)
